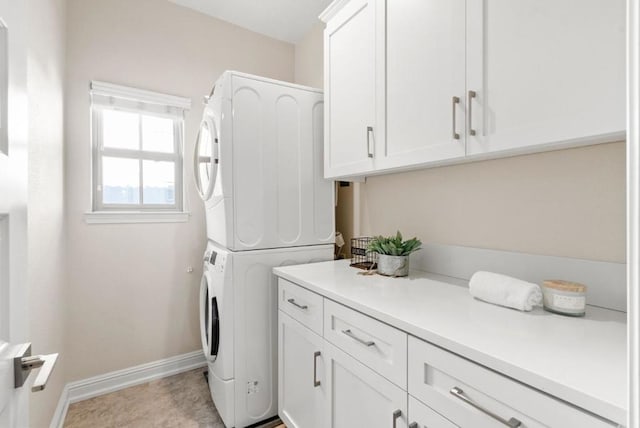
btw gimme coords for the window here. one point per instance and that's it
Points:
(137, 150)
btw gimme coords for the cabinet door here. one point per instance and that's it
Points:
(353, 84)
(357, 397)
(422, 416)
(301, 384)
(545, 72)
(425, 79)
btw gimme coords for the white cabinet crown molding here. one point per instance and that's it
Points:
(332, 9)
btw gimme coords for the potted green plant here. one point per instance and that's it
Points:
(393, 253)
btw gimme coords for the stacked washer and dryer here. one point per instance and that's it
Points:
(258, 167)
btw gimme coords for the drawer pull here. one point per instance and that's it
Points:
(369, 132)
(472, 95)
(454, 101)
(458, 393)
(396, 416)
(357, 339)
(316, 382)
(413, 425)
(297, 305)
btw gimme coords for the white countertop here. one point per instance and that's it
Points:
(580, 360)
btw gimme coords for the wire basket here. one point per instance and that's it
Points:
(359, 257)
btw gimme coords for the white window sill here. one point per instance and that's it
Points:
(122, 217)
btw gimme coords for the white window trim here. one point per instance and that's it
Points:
(130, 217)
(116, 95)
(141, 95)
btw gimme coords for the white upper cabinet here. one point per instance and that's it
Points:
(354, 66)
(412, 83)
(425, 80)
(545, 72)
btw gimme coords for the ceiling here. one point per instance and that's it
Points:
(287, 20)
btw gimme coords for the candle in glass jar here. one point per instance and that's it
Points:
(564, 297)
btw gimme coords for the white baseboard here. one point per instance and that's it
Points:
(114, 381)
(57, 421)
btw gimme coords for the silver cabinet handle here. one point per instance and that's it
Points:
(396, 416)
(459, 393)
(316, 382)
(413, 425)
(455, 102)
(357, 339)
(369, 132)
(297, 305)
(472, 95)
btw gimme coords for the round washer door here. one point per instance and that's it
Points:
(206, 158)
(209, 320)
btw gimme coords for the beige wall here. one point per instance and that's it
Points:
(344, 216)
(564, 203)
(46, 239)
(308, 63)
(130, 297)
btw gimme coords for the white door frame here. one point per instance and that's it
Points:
(13, 208)
(633, 209)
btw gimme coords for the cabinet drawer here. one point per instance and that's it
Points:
(446, 381)
(375, 344)
(300, 304)
(426, 417)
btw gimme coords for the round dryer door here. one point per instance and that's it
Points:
(206, 158)
(209, 321)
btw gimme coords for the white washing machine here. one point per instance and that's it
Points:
(258, 165)
(238, 319)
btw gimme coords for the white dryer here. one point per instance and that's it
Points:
(258, 165)
(238, 321)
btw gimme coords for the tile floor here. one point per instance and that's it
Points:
(181, 401)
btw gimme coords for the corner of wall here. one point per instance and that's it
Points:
(308, 63)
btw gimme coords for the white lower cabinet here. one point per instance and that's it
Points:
(362, 373)
(422, 416)
(358, 397)
(375, 344)
(301, 387)
(472, 396)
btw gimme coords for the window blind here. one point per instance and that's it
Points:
(125, 98)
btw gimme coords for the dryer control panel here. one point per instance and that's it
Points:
(214, 260)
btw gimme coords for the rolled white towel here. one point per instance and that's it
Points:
(505, 291)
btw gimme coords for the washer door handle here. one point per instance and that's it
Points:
(215, 327)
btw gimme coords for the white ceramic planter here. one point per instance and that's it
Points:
(393, 265)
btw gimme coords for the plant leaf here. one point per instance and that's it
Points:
(393, 245)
